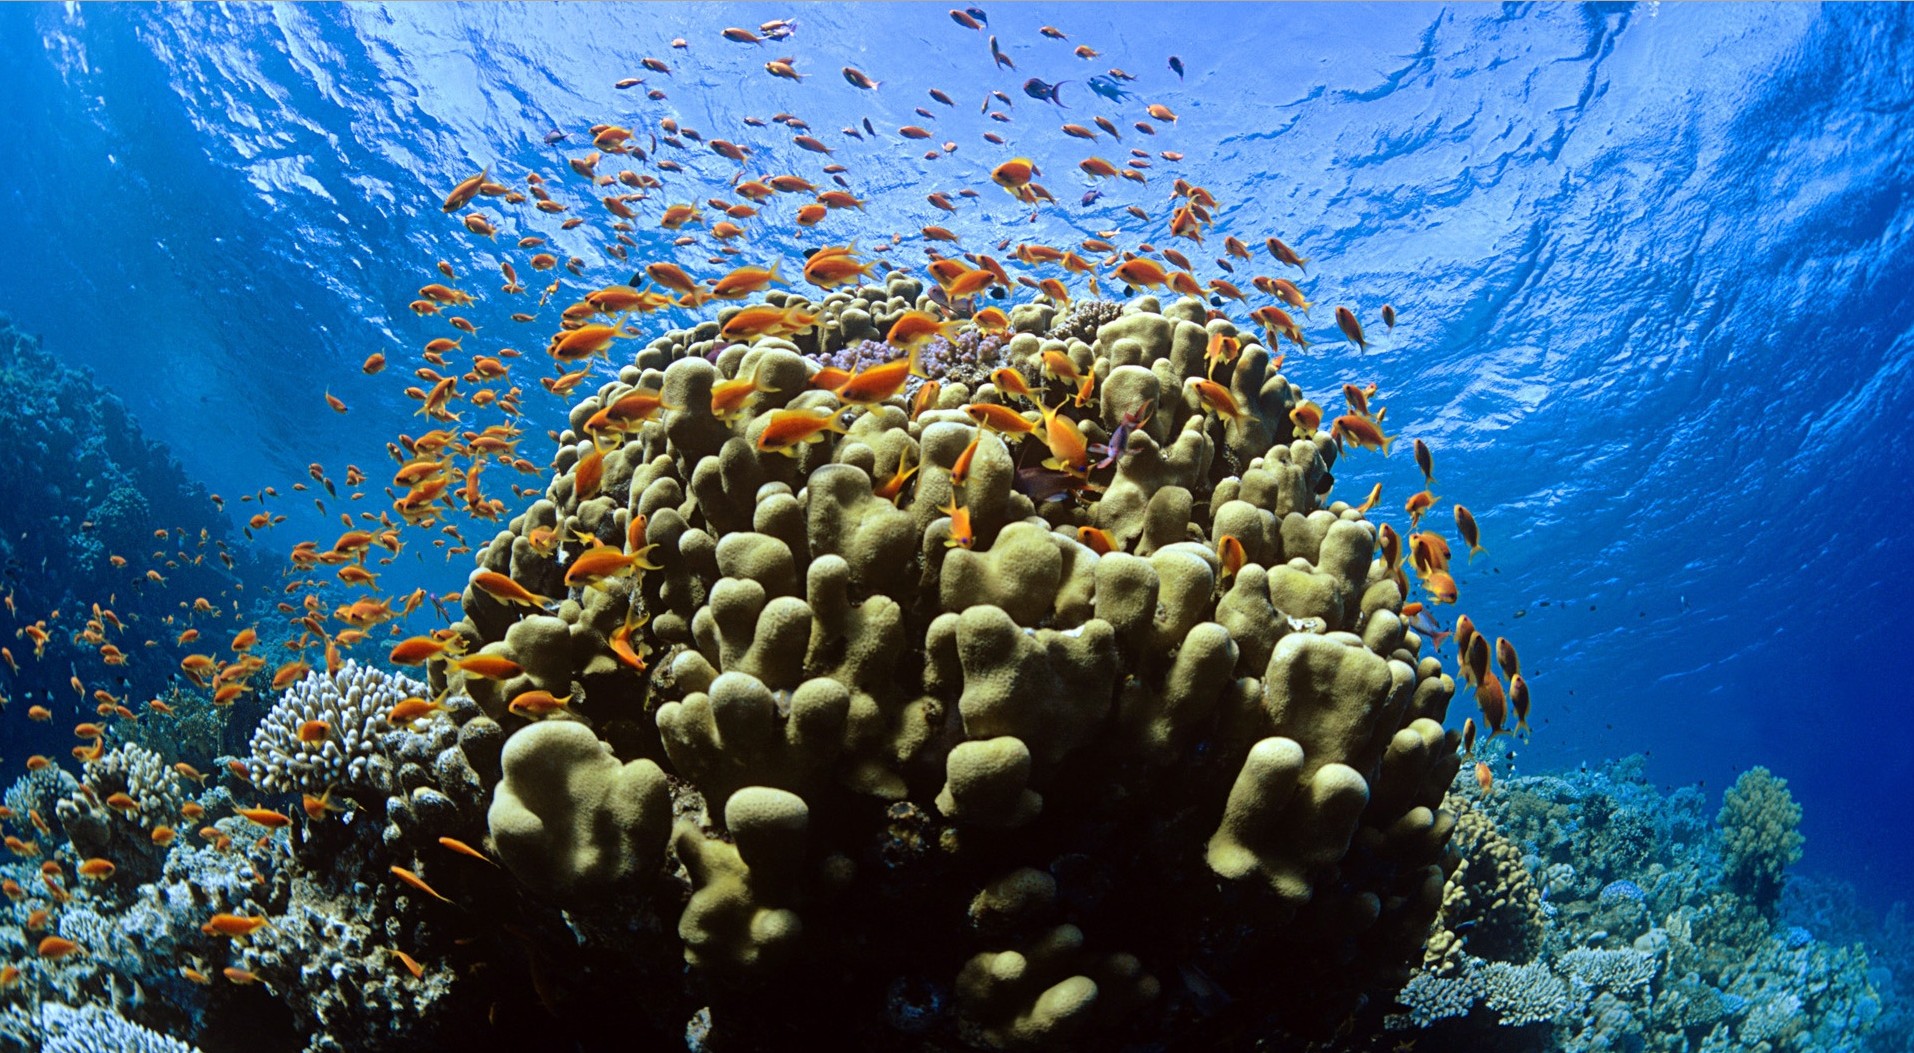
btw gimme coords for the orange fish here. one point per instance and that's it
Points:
(1014, 174)
(913, 329)
(1351, 328)
(894, 487)
(415, 650)
(456, 845)
(1069, 450)
(1360, 432)
(237, 926)
(505, 590)
(1212, 395)
(412, 709)
(411, 964)
(1230, 550)
(1506, 657)
(55, 947)
(1484, 777)
(1417, 504)
(488, 666)
(961, 535)
(265, 817)
(316, 808)
(925, 399)
(1143, 273)
(1000, 419)
(97, 869)
(1465, 526)
(1440, 586)
(788, 429)
(417, 882)
(1519, 703)
(829, 272)
(537, 704)
(728, 397)
(465, 191)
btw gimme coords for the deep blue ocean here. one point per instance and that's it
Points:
(1651, 265)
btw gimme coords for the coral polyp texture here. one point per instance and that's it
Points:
(347, 754)
(939, 763)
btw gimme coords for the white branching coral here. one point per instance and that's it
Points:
(349, 754)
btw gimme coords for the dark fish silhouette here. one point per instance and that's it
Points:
(1177, 65)
(1044, 92)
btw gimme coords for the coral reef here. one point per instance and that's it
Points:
(86, 491)
(1758, 837)
(349, 755)
(858, 720)
(1637, 937)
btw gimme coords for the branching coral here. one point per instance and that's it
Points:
(347, 754)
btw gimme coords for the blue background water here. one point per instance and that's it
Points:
(1652, 265)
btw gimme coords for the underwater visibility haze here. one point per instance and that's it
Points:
(1043, 526)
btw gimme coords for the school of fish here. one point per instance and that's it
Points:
(551, 321)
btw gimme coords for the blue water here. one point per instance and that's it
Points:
(1652, 263)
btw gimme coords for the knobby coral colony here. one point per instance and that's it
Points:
(1050, 701)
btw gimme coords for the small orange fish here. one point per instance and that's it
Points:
(488, 666)
(97, 869)
(265, 817)
(1484, 777)
(243, 977)
(1465, 526)
(1351, 328)
(1519, 703)
(537, 704)
(1360, 432)
(319, 807)
(409, 710)
(1143, 273)
(1440, 586)
(788, 429)
(411, 964)
(1001, 419)
(505, 590)
(728, 397)
(237, 926)
(55, 948)
(417, 882)
(456, 845)
(1069, 450)
(1418, 503)
(1212, 395)
(894, 487)
(961, 535)
(1230, 550)
(315, 731)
